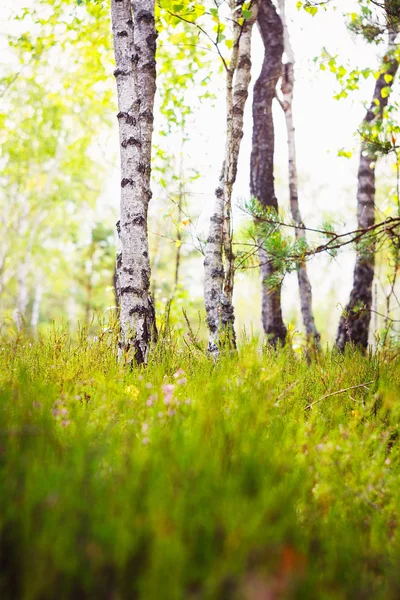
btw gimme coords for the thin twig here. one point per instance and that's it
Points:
(353, 387)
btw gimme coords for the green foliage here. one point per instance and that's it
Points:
(345, 153)
(114, 482)
(55, 115)
(310, 7)
(268, 228)
(374, 19)
(184, 62)
(347, 77)
(55, 122)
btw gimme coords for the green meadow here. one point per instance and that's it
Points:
(267, 475)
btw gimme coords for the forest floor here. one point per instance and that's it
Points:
(257, 478)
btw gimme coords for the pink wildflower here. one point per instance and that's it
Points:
(168, 389)
(179, 373)
(151, 400)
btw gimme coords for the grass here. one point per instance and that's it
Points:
(229, 486)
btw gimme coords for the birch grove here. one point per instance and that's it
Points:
(219, 256)
(57, 202)
(134, 36)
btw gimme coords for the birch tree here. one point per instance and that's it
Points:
(219, 256)
(286, 102)
(134, 36)
(355, 320)
(52, 116)
(262, 186)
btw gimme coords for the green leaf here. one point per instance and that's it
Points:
(312, 10)
(345, 153)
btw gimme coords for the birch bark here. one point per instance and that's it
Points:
(36, 303)
(355, 320)
(262, 157)
(219, 275)
(134, 36)
(287, 87)
(19, 313)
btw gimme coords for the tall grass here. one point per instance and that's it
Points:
(114, 484)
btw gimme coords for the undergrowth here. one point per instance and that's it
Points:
(245, 480)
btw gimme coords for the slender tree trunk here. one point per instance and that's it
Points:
(135, 36)
(22, 294)
(117, 267)
(355, 321)
(88, 299)
(219, 275)
(72, 306)
(181, 197)
(36, 304)
(179, 232)
(262, 158)
(287, 87)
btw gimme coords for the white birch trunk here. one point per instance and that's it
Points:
(22, 270)
(36, 305)
(19, 313)
(134, 37)
(219, 277)
(287, 88)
